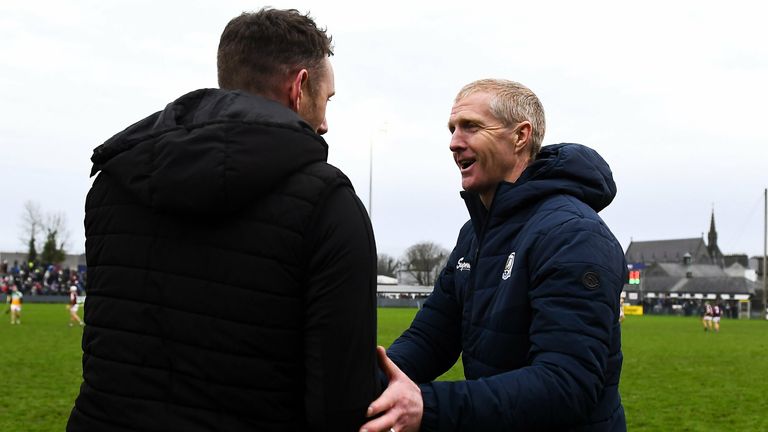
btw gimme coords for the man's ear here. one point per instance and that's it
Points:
(523, 136)
(295, 95)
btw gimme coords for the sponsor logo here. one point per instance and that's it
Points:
(508, 266)
(463, 266)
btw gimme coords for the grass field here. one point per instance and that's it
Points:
(675, 376)
(41, 369)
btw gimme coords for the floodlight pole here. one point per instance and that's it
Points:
(382, 130)
(370, 182)
(765, 252)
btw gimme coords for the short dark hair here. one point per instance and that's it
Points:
(258, 49)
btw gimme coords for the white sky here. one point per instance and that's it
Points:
(672, 94)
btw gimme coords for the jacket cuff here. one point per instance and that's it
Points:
(429, 418)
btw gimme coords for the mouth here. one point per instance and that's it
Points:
(465, 163)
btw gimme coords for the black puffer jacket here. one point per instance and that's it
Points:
(231, 276)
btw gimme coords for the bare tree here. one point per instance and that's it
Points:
(52, 228)
(31, 225)
(56, 222)
(423, 261)
(386, 265)
(56, 234)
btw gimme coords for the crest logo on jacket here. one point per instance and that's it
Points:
(463, 266)
(508, 266)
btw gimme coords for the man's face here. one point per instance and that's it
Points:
(312, 107)
(482, 146)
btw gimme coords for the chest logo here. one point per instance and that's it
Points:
(508, 266)
(463, 266)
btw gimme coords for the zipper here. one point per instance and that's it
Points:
(469, 295)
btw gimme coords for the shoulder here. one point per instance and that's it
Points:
(570, 230)
(463, 242)
(466, 232)
(326, 173)
(563, 216)
(559, 208)
(313, 184)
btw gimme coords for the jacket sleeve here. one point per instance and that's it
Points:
(575, 278)
(432, 344)
(340, 315)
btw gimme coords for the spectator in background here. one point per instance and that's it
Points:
(73, 307)
(717, 312)
(195, 200)
(15, 301)
(621, 308)
(706, 318)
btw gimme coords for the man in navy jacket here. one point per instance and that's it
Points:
(529, 296)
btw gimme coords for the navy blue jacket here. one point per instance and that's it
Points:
(529, 298)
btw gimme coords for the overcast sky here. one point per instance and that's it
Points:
(672, 94)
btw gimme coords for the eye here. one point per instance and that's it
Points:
(470, 126)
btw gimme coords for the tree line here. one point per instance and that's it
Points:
(49, 227)
(423, 262)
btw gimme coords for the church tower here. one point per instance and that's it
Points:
(712, 244)
(714, 251)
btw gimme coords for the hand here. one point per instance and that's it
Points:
(401, 402)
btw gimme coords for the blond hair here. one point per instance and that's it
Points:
(511, 103)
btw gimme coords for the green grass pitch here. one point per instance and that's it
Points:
(676, 377)
(41, 368)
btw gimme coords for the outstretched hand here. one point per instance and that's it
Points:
(400, 406)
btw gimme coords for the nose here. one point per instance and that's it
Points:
(457, 144)
(323, 128)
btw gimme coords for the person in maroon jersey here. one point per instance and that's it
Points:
(73, 307)
(717, 312)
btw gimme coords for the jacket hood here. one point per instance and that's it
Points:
(571, 169)
(566, 168)
(210, 151)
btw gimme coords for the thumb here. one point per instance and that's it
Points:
(388, 366)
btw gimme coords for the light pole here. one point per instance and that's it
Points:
(765, 251)
(382, 130)
(370, 181)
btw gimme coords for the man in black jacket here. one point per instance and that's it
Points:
(226, 196)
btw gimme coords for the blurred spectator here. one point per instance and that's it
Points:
(15, 304)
